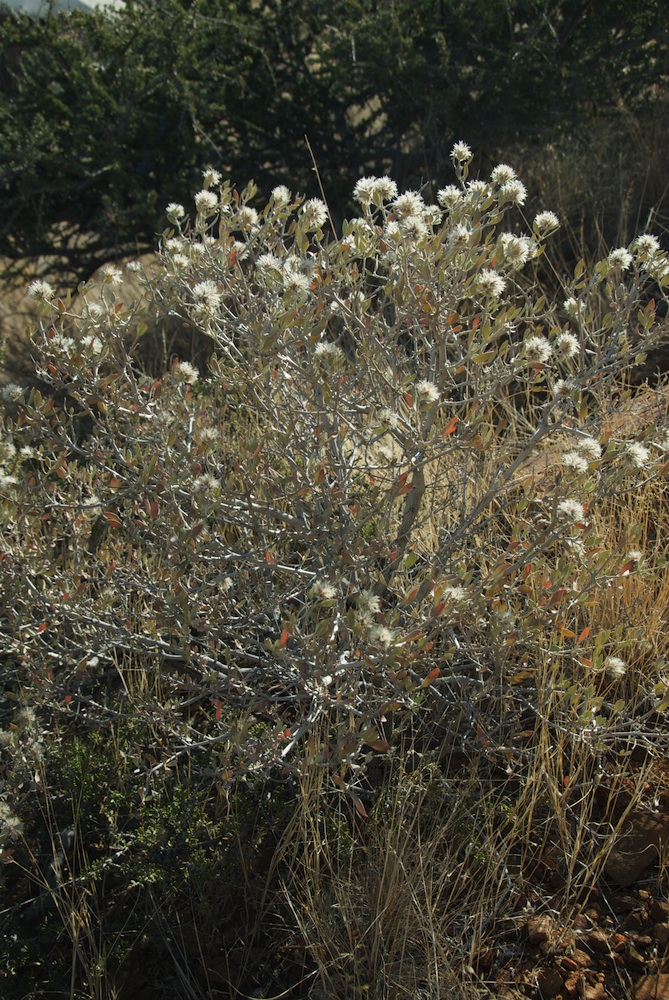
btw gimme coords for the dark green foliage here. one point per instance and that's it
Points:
(112, 117)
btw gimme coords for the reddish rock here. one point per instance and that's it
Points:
(572, 986)
(581, 957)
(539, 928)
(618, 942)
(598, 940)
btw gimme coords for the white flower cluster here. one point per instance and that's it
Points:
(207, 299)
(374, 190)
(537, 349)
(291, 274)
(636, 454)
(571, 510)
(566, 345)
(41, 290)
(517, 250)
(314, 213)
(584, 451)
(490, 283)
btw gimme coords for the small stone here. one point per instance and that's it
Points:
(659, 910)
(633, 958)
(644, 839)
(595, 992)
(635, 922)
(571, 987)
(643, 941)
(598, 940)
(549, 982)
(581, 957)
(661, 934)
(539, 928)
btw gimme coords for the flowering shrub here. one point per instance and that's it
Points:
(409, 510)
(381, 497)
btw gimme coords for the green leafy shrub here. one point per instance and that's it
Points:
(108, 117)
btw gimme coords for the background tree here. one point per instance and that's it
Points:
(113, 115)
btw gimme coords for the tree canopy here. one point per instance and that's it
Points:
(112, 115)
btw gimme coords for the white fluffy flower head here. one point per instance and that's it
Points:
(40, 290)
(574, 462)
(206, 202)
(514, 191)
(409, 203)
(503, 174)
(646, 243)
(364, 190)
(314, 213)
(247, 217)
(174, 211)
(211, 177)
(589, 448)
(517, 249)
(566, 345)
(427, 391)
(637, 454)
(491, 283)
(537, 349)
(207, 298)
(462, 153)
(281, 195)
(545, 222)
(571, 510)
(620, 258)
(449, 196)
(615, 667)
(184, 371)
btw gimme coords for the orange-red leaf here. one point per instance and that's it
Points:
(450, 426)
(112, 519)
(432, 676)
(359, 806)
(585, 633)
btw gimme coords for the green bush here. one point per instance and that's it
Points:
(113, 115)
